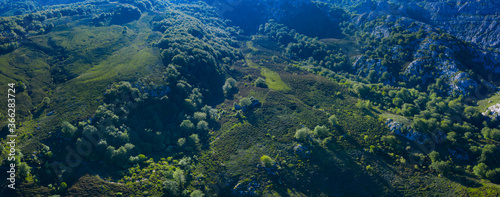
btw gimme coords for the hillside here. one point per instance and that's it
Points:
(250, 98)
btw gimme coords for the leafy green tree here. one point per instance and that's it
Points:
(179, 176)
(321, 131)
(230, 86)
(302, 133)
(202, 125)
(389, 140)
(333, 120)
(181, 141)
(24, 169)
(200, 116)
(197, 193)
(193, 139)
(46, 101)
(267, 161)
(187, 124)
(245, 102)
(260, 82)
(64, 186)
(441, 166)
(171, 187)
(493, 175)
(68, 129)
(480, 170)
(397, 102)
(434, 156)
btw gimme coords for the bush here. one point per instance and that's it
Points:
(441, 166)
(230, 86)
(193, 139)
(181, 141)
(125, 14)
(333, 120)
(202, 125)
(200, 116)
(493, 175)
(197, 193)
(303, 133)
(480, 170)
(171, 187)
(260, 82)
(389, 140)
(267, 162)
(434, 156)
(321, 131)
(187, 124)
(68, 129)
(246, 102)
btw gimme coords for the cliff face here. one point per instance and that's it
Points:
(307, 17)
(473, 21)
(474, 24)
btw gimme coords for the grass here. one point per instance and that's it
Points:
(483, 105)
(273, 79)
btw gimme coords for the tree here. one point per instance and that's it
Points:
(187, 124)
(46, 101)
(452, 137)
(434, 156)
(200, 116)
(179, 176)
(171, 187)
(493, 175)
(68, 129)
(245, 102)
(202, 125)
(193, 139)
(302, 134)
(181, 141)
(441, 166)
(230, 86)
(267, 161)
(321, 131)
(197, 193)
(389, 140)
(480, 170)
(24, 169)
(64, 186)
(333, 120)
(260, 82)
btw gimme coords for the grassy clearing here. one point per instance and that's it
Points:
(273, 79)
(483, 105)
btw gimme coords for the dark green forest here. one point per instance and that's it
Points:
(251, 98)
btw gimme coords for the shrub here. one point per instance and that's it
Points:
(197, 193)
(246, 102)
(441, 166)
(68, 129)
(303, 133)
(260, 82)
(389, 140)
(202, 125)
(267, 162)
(200, 116)
(480, 170)
(181, 141)
(321, 131)
(493, 175)
(333, 120)
(230, 86)
(187, 124)
(171, 187)
(193, 139)
(434, 156)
